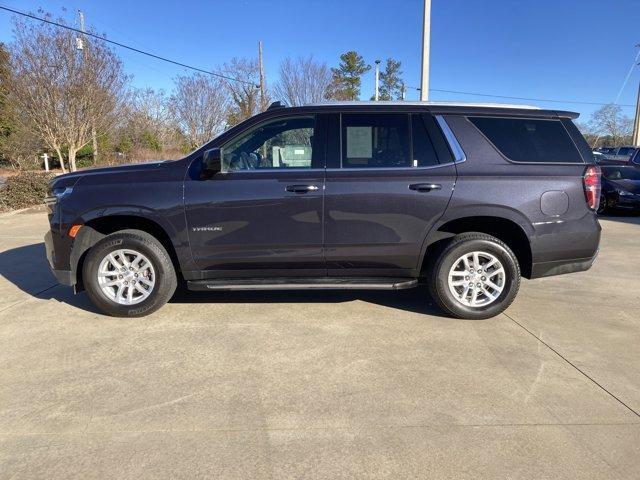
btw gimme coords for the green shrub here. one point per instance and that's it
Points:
(24, 190)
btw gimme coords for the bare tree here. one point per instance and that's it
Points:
(244, 94)
(302, 81)
(149, 119)
(200, 105)
(610, 122)
(62, 92)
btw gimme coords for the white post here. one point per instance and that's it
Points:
(377, 95)
(426, 45)
(46, 162)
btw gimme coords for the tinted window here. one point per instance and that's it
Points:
(625, 151)
(621, 173)
(424, 155)
(375, 141)
(281, 143)
(529, 140)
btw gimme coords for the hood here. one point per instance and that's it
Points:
(70, 179)
(631, 186)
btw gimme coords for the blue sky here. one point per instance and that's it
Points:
(563, 49)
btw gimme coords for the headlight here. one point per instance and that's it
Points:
(57, 194)
(622, 193)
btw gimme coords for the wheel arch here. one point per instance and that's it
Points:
(506, 229)
(98, 227)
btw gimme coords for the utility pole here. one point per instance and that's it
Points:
(80, 46)
(377, 96)
(263, 105)
(404, 91)
(635, 140)
(426, 45)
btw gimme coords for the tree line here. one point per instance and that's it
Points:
(78, 105)
(70, 96)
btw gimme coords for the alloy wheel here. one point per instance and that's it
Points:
(126, 276)
(476, 279)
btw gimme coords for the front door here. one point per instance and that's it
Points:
(262, 214)
(390, 180)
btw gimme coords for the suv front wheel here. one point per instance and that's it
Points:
(129, 274)
(476, 276)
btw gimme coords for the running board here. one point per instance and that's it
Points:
(316, 283)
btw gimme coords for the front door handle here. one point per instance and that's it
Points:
(301, 188)
(424, 187)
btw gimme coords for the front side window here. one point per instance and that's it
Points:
(375, 141)
(529, 140)
(621, 173)
(283, 143)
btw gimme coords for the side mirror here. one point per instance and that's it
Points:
(211, 162)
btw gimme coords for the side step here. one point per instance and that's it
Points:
(317, 283)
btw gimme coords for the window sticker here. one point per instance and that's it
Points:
(359, 142)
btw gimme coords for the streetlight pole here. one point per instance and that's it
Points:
(635, 140)
(426, 45)
(377, 96)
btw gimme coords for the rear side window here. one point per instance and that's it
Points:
(424, 154)
(529, 140)
(625, 151)
(375, 141)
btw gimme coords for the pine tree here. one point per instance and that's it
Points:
(390, 81)
(346, 78)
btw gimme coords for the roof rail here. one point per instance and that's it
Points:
(277, 104)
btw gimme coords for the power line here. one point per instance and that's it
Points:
(546, 100)
(226, 77)
(524, 98)
(122, 45)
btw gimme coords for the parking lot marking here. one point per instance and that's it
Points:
(572, 364)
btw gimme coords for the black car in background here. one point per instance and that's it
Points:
(620, 188)
(634, 161)
(617, 155)
(462, 198)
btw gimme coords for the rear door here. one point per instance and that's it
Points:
(262, 214)
(389, 178)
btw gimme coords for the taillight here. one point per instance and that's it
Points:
(591, 182)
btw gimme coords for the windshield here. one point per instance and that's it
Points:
(621, 173)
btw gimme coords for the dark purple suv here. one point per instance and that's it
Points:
(385, 195)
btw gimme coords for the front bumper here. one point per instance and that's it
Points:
(628, 201)
(66, 277)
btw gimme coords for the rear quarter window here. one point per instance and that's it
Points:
(529, 140)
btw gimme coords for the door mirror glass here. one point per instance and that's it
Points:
(211, 162)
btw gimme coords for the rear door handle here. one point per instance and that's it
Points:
(301, 188)
(424, 187)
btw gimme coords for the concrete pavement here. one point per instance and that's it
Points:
(320, 384)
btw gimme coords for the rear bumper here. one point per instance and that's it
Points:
(560, 267)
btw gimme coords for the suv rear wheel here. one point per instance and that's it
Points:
(129, 274)
(476, 276)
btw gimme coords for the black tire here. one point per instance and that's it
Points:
(466, 243)
(165, 275)
(603, 207)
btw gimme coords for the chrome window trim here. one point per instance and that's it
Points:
(388, 169)
(454, 145)
(269, 170)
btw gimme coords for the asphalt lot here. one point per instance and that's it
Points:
(319, 384)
